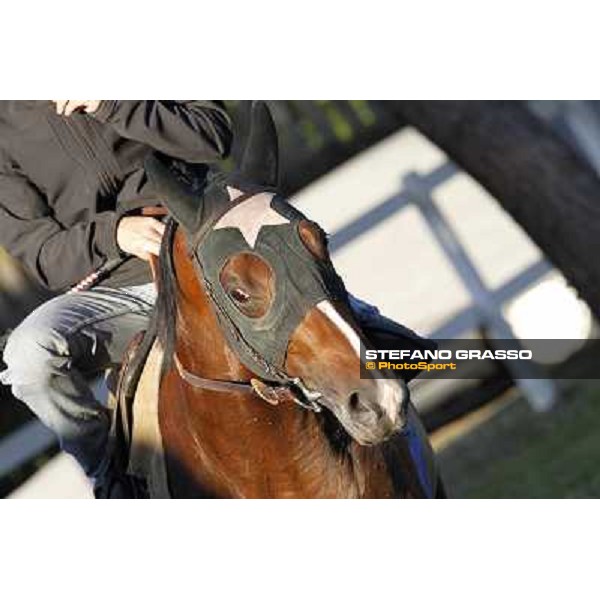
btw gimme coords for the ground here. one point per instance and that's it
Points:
(505, 450)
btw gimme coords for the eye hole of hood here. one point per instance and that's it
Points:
(249, 282)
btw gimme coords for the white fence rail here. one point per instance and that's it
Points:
(485, 311)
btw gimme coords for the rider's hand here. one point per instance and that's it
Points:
(140, 236)
(68, 107)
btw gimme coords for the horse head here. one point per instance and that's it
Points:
(280, 303)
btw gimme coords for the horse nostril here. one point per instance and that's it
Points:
(362, 407)
(354, 401)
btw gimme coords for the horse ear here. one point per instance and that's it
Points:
(179, 200)
(260, 163)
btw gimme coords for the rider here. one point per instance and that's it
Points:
(68, 171)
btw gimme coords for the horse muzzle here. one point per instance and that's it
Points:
(373, 413)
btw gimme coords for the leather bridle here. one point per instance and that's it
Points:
(294, 391)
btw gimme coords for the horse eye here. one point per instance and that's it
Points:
(239, 295)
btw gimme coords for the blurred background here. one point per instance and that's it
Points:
(458, 219)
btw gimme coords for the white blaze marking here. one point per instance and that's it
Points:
(334, 316)
(390, 392)
(251, 215)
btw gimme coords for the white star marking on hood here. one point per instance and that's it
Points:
(250, 216)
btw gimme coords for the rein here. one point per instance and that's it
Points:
(213, 385)
(295, 391)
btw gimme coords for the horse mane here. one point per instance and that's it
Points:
(166, 303)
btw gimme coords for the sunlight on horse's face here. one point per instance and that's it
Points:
(324, 350)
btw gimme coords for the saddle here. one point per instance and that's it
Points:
(136, 443)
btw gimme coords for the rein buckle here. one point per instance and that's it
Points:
(268, 393)
(295, 390)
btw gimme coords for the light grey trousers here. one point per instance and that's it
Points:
(55, 352)
(53, 355)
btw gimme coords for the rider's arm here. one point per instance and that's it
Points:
(197, 131)
(57, 257)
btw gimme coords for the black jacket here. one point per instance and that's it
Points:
(63, 179)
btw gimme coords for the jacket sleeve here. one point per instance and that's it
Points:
(197, 131)
(30, 234)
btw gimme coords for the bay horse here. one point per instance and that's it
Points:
(260, 394)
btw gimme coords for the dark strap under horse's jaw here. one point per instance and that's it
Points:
(296, 391)
(213, 385)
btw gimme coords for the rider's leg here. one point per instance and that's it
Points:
(364, 312)
(369, 317)
(53, 352)
(385, 333)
